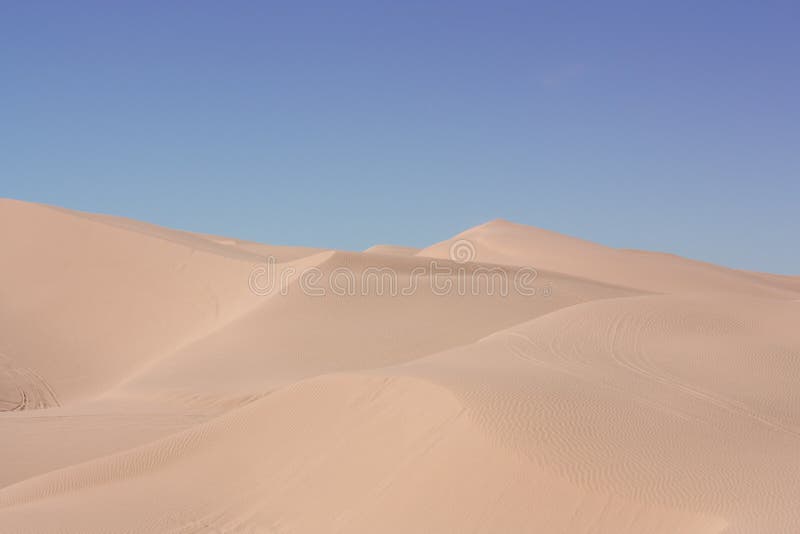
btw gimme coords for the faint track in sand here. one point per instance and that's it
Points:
(23, 389)
(636, 361)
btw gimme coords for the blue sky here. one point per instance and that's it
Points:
(343, 124)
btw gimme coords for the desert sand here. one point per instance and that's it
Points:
(146, 386)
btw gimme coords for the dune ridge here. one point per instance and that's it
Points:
(504, 242)
(145, 387)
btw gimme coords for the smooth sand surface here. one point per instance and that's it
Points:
(147, 387)
(396, 250)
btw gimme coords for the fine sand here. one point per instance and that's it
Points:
(508, 380)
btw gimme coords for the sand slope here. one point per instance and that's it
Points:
(146, 388)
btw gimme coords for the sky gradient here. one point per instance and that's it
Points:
(346, 124)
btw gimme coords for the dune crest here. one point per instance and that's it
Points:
(504, 242)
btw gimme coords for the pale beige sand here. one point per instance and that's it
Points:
(396, 250)
(145, 388)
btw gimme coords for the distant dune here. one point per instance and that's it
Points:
(507, 380)
(515, 244)
(392, 250)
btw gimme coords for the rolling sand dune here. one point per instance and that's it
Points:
(147, 385)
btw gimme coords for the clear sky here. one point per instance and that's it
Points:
(344, 124)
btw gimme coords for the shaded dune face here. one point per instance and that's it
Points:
(145, 386)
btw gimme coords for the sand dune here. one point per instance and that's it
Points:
(146, 385)
(515, 244)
